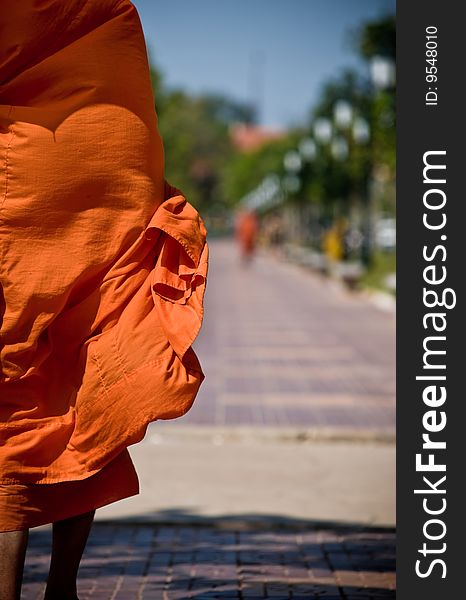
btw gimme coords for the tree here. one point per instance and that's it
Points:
(245, 171)
(377, 38)
(196, 140)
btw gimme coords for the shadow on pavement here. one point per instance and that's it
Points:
(172, 554)
(185, 517)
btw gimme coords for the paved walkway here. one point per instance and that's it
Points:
(282, 347)
(205, 563)
(233, 503)
(189, 480)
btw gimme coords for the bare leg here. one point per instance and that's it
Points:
(69, 540)
(13, 546)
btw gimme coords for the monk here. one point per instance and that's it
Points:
(103, 268)
(246, 233)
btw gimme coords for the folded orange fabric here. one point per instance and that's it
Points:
(103, 264)
(25, 505)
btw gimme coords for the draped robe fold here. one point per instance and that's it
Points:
(103, 263)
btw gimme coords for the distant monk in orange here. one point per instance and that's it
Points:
(246, 233)
(103, 268)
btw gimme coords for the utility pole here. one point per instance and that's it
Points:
(256, 83)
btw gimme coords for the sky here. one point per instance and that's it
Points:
(276, 53)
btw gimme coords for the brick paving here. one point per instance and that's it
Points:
(173, 562)
(283, 347)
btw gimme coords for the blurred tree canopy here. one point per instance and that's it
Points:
(201, 160)
(348, 85)
(245, 171)
(377, 38)
(195, 133)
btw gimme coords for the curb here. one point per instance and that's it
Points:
(378, 298)
(218, 435)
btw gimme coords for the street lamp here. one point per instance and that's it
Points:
(382, 72)
(339, 148)
(267, 194)
(323, 130)
(292, 161)
(291, 183)
(355, 127)
(308, 149)
(343, 114)
(361, 131)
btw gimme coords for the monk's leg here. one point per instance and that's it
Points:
(13, 546)
(69, 540)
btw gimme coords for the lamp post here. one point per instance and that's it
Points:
(361, 131)
(292, 163)
(382, 70)
(382, 74)
(308, 149)
(339, 148)
(343, 114)
(323, 130)
(333, 134)
(339, 134)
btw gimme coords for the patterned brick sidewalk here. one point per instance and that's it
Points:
(128, 562)
(283, 347)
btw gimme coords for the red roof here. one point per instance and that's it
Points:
(247, 138)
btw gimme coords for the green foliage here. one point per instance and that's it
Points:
(196, 146)
(377, 38)
(228, 111)
(200, 158)
(382, 265)
(384, 121)
(338, 183)
(348, 85)
(195, 133)
(244, 172)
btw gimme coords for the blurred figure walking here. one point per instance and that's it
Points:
(246, 230)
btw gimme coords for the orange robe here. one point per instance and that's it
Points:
(246, 232)
(103, 264)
